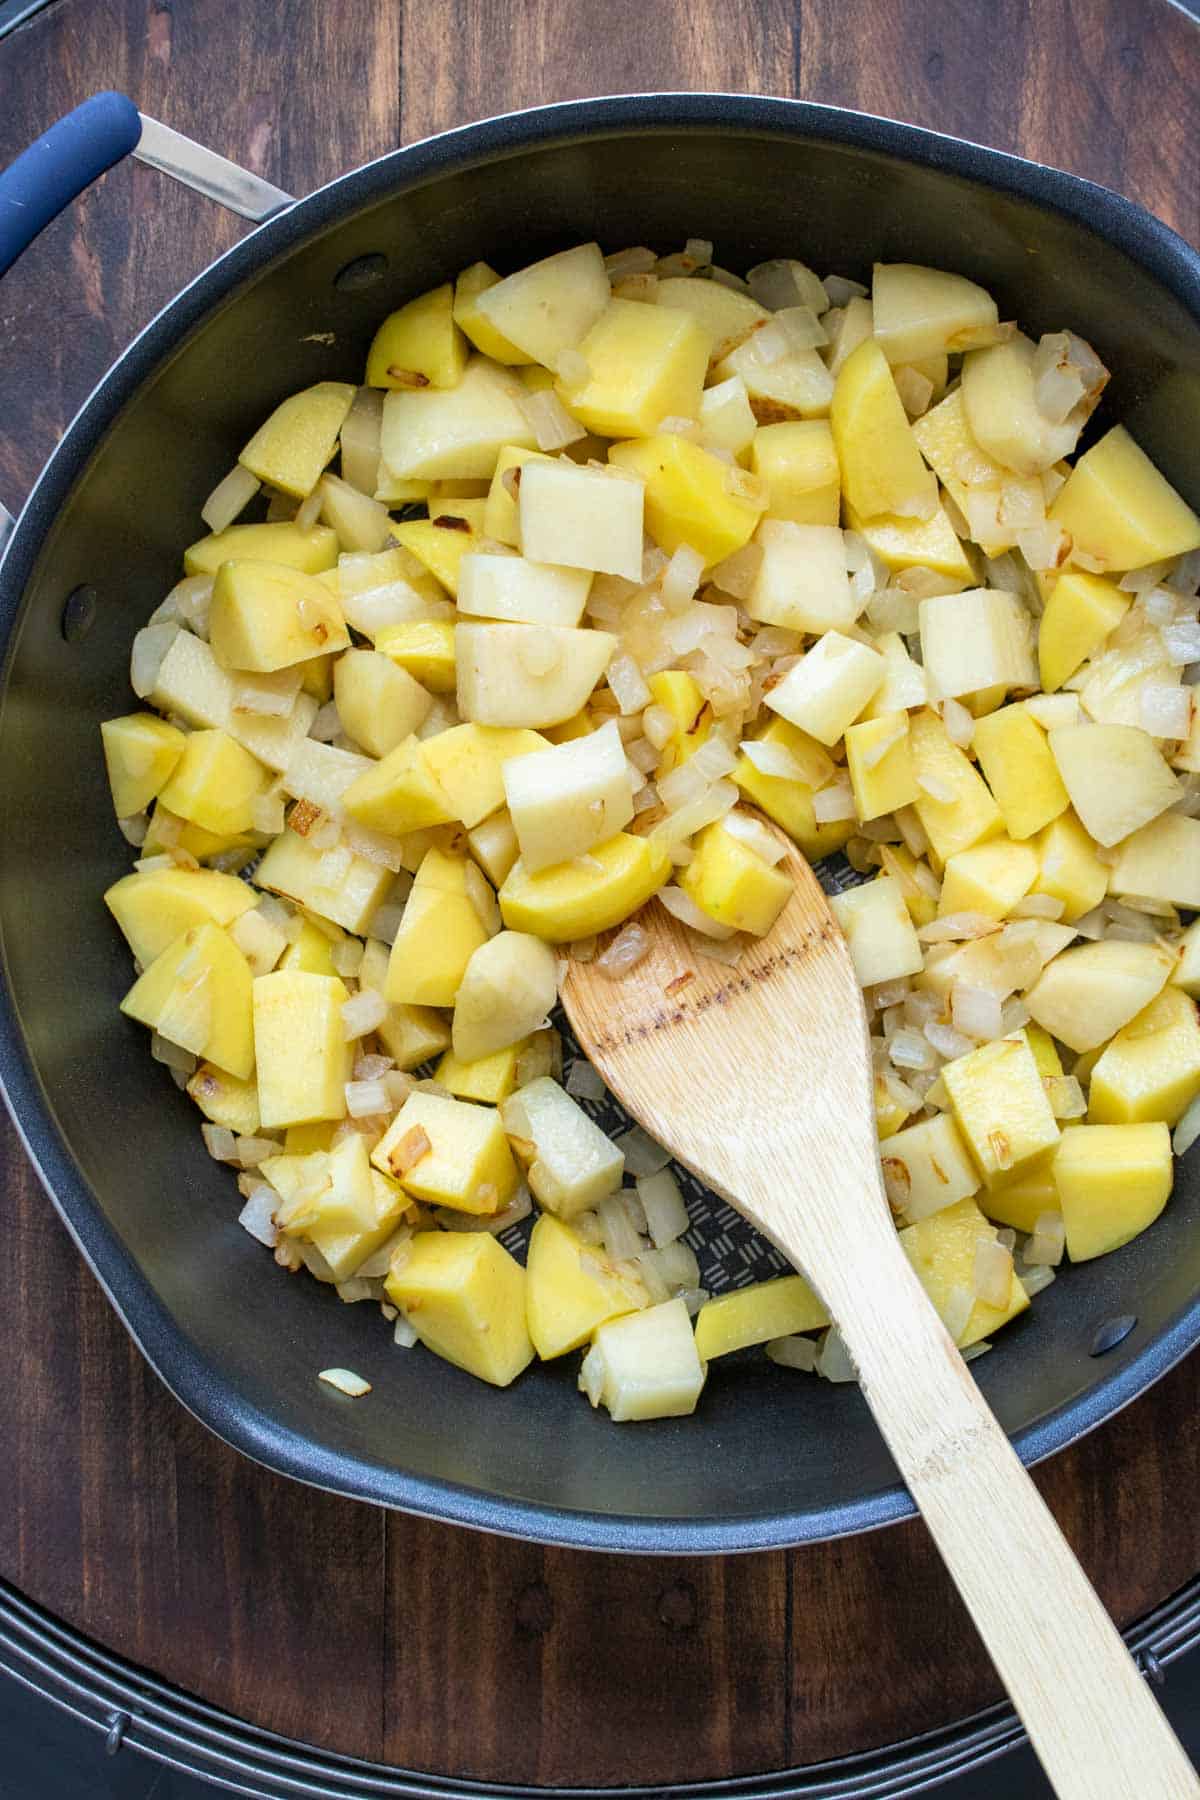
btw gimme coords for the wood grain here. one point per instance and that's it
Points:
(312, 1616)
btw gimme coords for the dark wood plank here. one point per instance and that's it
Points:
(315, 1617)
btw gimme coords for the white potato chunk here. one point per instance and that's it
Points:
(1116, 777)
(455, 434)
(582, 518)
(525, 593)
(533, 675)
(1089, 992)
(978, 639)
(879, 931)
(550, 306)
(565, 799)
(802, 581)
(919, 312)
(508, 987)
(1160, 862)
(645, 1365)
(827, 689)
(574, 1164)
(928, 1167)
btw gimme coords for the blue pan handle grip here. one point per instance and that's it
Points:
(60, 165)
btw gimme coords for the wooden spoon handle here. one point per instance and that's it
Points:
(1089, 1713)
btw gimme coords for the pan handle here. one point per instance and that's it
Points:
(78, 149)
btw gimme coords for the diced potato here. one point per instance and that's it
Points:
(581, 518)
(954, 805)
(575, 900)
(196, 993)
(802, 581)
(1151, 1069)
(942, 1250)
(464, 1296)
(361, 523)
(493, 844)
(158, 906)
(568, 797)
(1080, 612)
(215, 783)
(1160, 862)
(756, 1314)
(434, 434)
(574, 1165)
(927, 1168)
(345, 1252)
(1116, 777)
(904, 685)
(1089, 992)
(305, 1140)
(311, 951)
(378, 702)
(691, 496)
(644, 364)
(420, 345)
(267, 616)
(335, 884)
(140, 753)
(1000, 1107)
(645, 1365)
(919, 312)
(916, 544)
(300, 1046)
(411, 1035)
(571, 1289)
(975, 640)
(1113, 1181)
(467, 764)
(550, 306)
(439, 933)
(799, 464)
(790, 801)
(1020, 769)
(483, 334)
(1119, 510)
(292, 448)
(890, 1110)
(167, 832)
(527, 593)
(880, 765)
(733, 885)
(226, 1100)
(948, 446)
(468, 1165)
(988, 879)
(882, 468)
(399, 794)
(901, 864)
(1068, 867)
(1019, 1201)
(827, 689)
(508, 987)
(307, 547)
(679, 693)
(192, 685)
(501, 516)
(726, 316)
(1002, 410)
(531, 675)
(879, 931)
(424, 649)
(344, 1205)
(443, 542)
(490, 1079)
(848, 326)
(796, 385)
(260, 941)
(727, 422)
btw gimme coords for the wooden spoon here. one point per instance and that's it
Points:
(758, 1079)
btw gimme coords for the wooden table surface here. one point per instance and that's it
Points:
(382, 1636)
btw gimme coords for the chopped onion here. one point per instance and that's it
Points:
(946, 1040)
(1066, 1097)
(957, 928)
(642, 1155)
(220, 1142)
(993, 1272)
(681, 577)
(1047, 1242)
(664, 1206)
(550, 421)
(346, 955)
(1187, 1130)
(1038, 906)
(975, 1012)
(367, 1099)
(1165, 711)
(739, 572)
(833, 1359)
(309, 509)
(1045, 546)
(258, 1215)
(346, 1382)
(620, 1239)
(840, 290)
(784, 764)
(834, 802)
(681, 906)
(637, 260)
(1034, 1279)
(793, 1353)
(911, 1050)
(627, 950)
(173, 1055)
(915, 390)
(754, 835)
(627, 682)
(134, 829)
(231, 496)
(147, 654)
(941, 791)
(364, 1012)
(1182, 640)
(583, 1081)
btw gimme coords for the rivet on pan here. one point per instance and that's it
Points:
(363, 272)
(1151, 1668)
(1114, 1331)
(677, 1606)
(116, 1732)
(78, 614)
(534, 1610)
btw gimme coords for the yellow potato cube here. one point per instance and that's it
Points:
(466, 766)
(828, 688)
(691, 496)
(1001, 1107)
(226, 1099)
(300, 1047)
(879, 931)
(311, 952)
(334, 884)
(1085, 995)
(439, 932)
(419, 346)
(575, 900)
(583, 518)
(1021, 1201)
(501, 514)
(292, 448)
(483, 334)
(157, 906)
(1021, 771)
(1068, 867)
(1080, 612)
(167, 831)
(755, 1315)
(425, 649)
(882, 468)
(942, 1250)
(890, 1113)
(733, 885)
(464, 1296)
(988, 879)
(796, 385)
(307, 547)
(645, 1365)
(411, 1035)
(948, 445)
(490, 1079)
(398, 794)
(378, 702)
(571, 1289)
(977, 641)
(1115, 775)
(441, 543)
(1120, 510)
(574, 1165)
(266, 616)
(1151, 1069)
(802, 581)
(215, 784)
(645, 364)
(140, 753)
(727, 419)
(799, 464)
(197, 995)
(346, 1201)
(1113, 1181)
(493, 844)
(452, 434)
(345, 1252)
(467, 1165)
(726, 316)
(920, 312)
(679, 693)
(787, 799)
(1160, 862)
(880, 765)
(551, 305)
(916, 544)
(305, 1140)
(927, 1168)
(968, 815)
